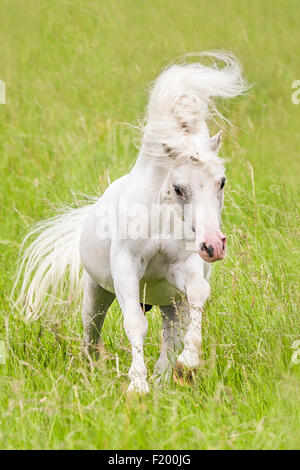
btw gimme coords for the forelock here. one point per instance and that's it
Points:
(210, 163)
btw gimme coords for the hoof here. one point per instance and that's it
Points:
(138, 386)
(184, 376)
(189, 359)
(93, 351)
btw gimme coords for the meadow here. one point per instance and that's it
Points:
(76, 72)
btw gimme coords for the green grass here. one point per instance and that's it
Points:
(74, 71)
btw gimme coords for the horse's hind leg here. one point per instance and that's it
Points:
(174, 319)
(96, 302)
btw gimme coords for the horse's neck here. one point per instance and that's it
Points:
(148, 178)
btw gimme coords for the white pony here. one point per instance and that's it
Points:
(150, 239)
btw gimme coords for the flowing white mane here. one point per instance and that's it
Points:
(182, 102)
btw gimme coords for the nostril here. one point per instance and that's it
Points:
(209, 249)
(223, 243)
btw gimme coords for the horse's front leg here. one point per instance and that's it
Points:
(189, 279)
(197, 294)
(126, 275)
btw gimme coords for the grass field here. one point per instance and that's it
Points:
(74, 71)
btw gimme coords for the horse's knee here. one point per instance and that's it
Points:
(197, 293)
(135, 325)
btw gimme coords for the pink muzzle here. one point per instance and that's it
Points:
(213, 248)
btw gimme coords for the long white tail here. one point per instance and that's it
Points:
(51, 259)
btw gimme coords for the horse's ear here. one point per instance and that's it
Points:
(215, 141)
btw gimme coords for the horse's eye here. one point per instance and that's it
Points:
(178, 191)
(222, 184)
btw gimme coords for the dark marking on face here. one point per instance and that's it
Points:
(183, 192)
(222, 183)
